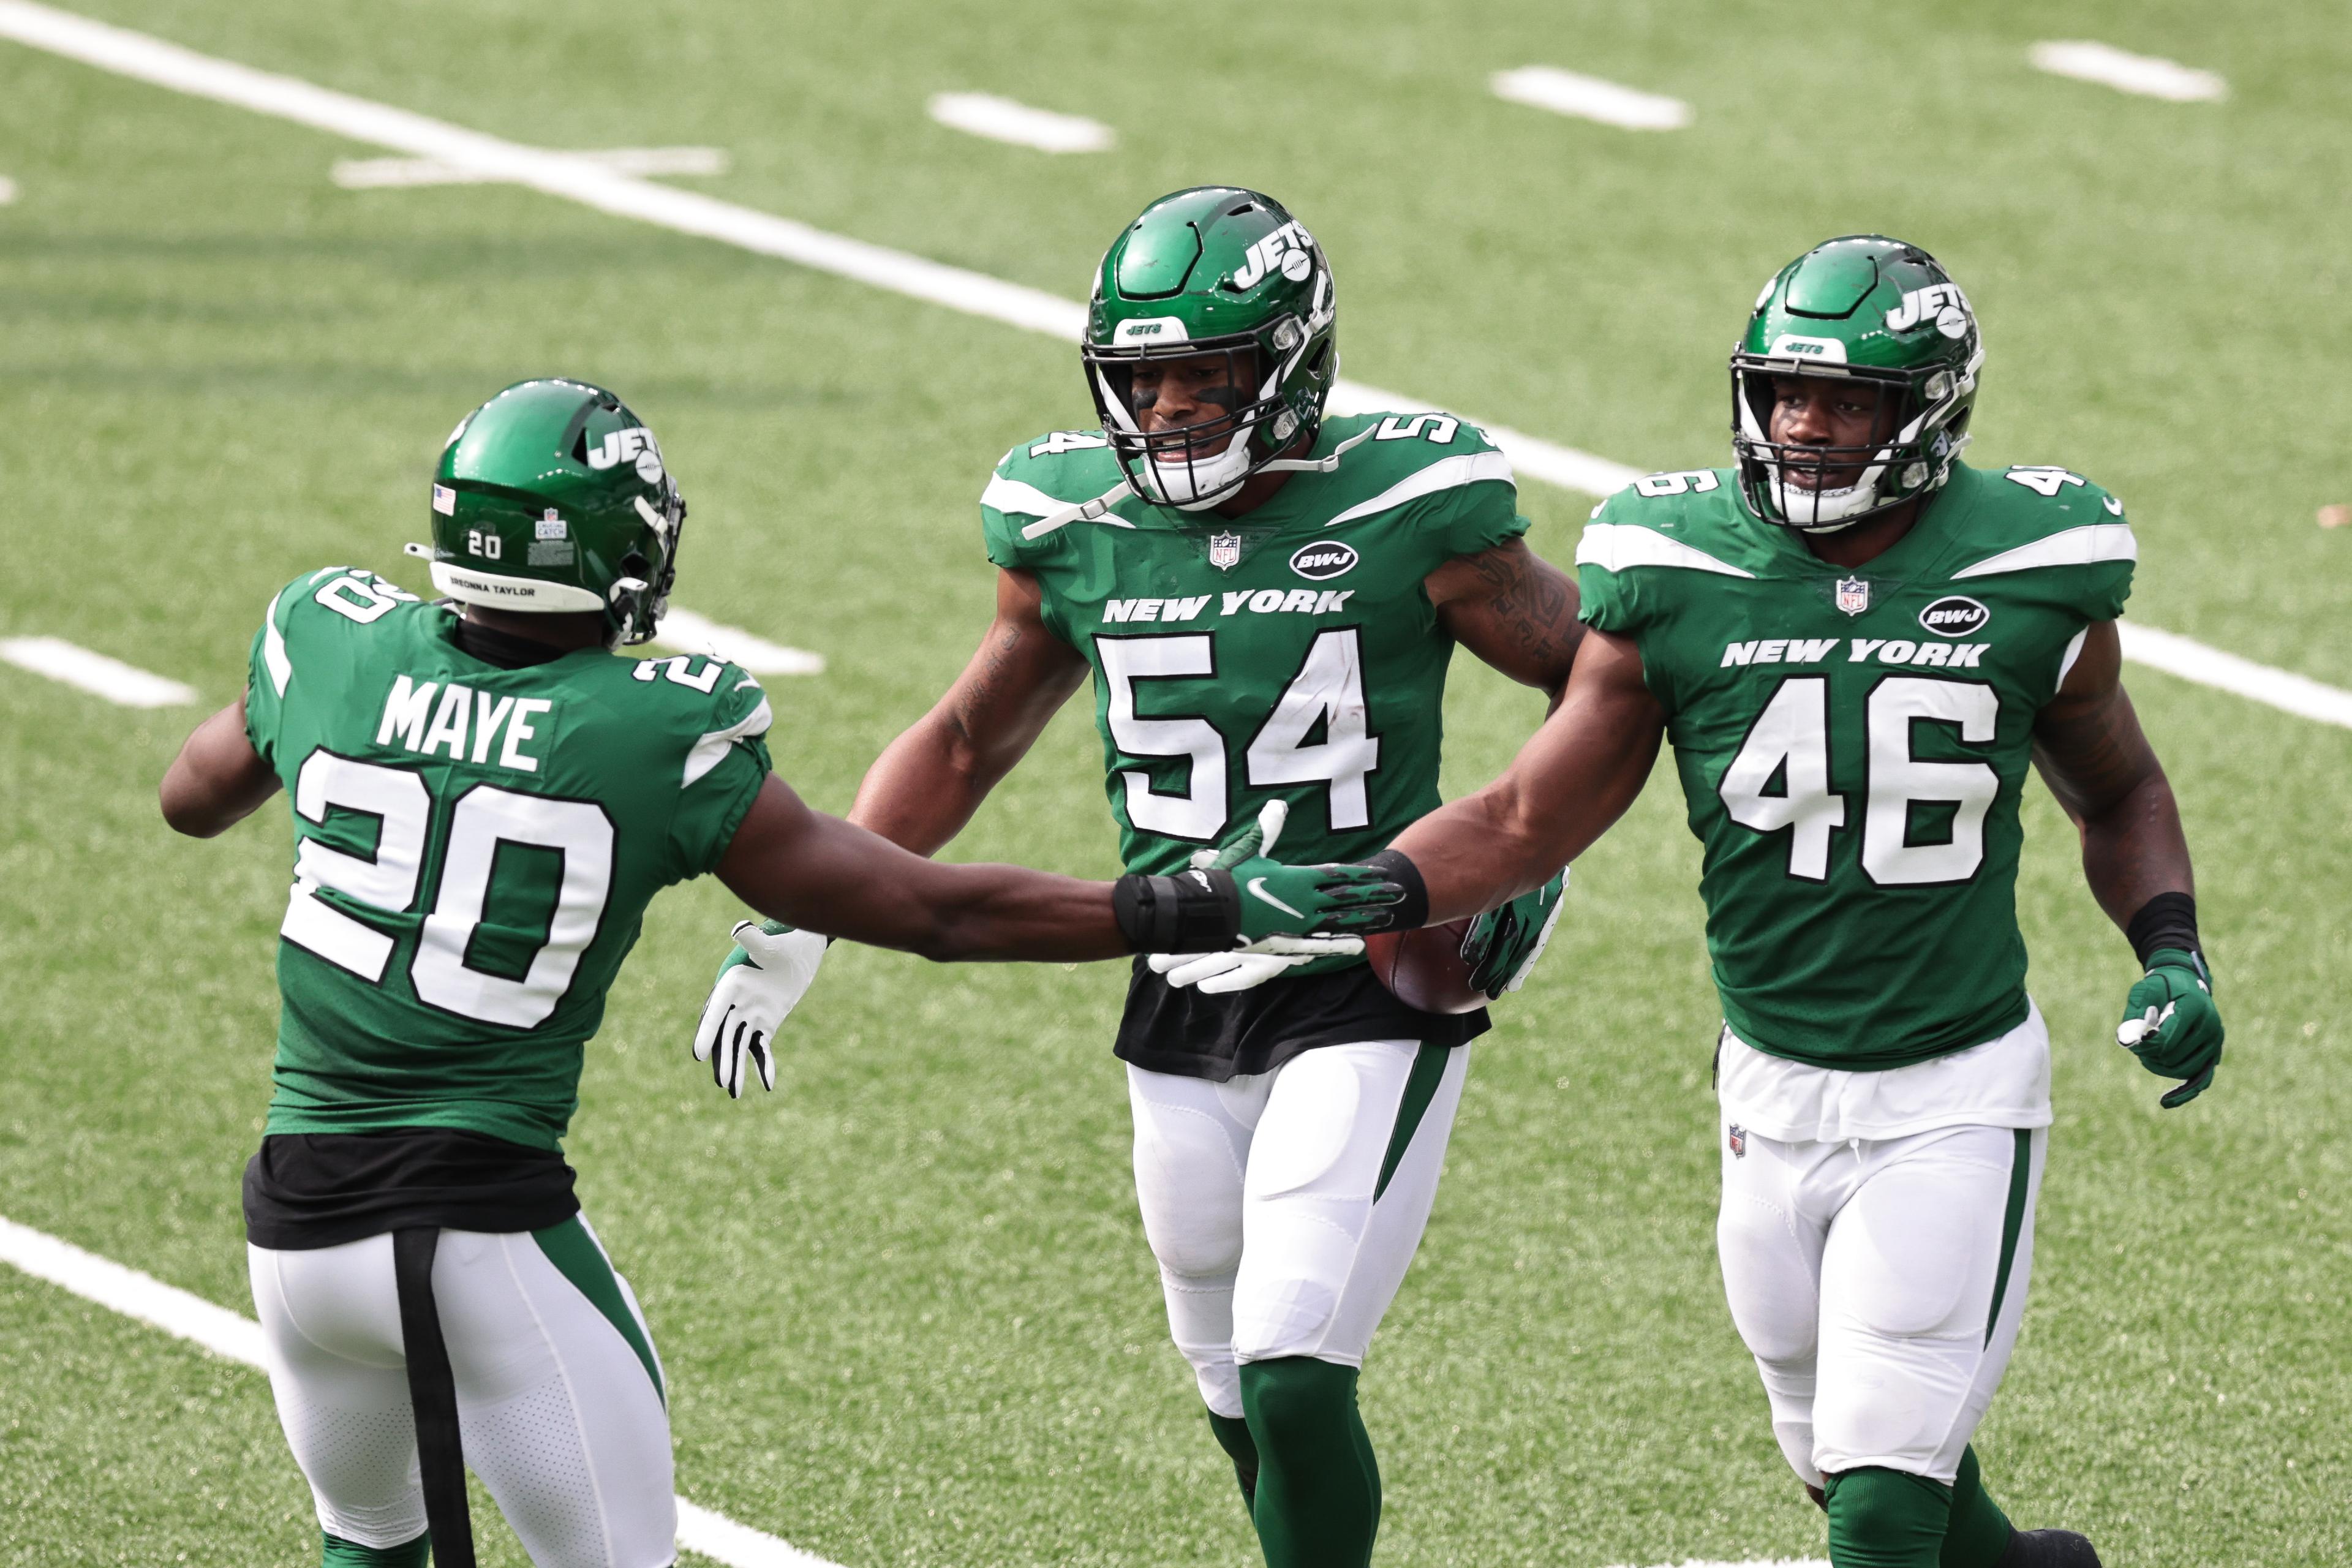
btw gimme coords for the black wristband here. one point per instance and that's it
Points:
(1411, 912)
(2167, 919)
(1199, 911)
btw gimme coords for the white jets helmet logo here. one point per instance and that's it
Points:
(1285, 251)
(624, 445)
(1942, 303)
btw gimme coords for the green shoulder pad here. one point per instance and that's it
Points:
(308, 615)
(1436, 470)
(1685, 522)
(719, 718)
(1038, 478)
(2056, 524)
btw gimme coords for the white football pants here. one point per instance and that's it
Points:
(1879, 1283)
(559, 1412)
(1285, 1207)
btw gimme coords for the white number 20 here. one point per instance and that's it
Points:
(485, 817)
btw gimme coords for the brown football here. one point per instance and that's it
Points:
(1423, 969)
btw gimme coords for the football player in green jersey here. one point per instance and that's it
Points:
(484, 800)
(1265, 598)
(1857, 645)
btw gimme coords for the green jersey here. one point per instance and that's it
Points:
(1288, 654)
(1853, 743)
(474, 847)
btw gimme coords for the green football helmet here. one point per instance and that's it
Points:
(1214, 270)
(552, 497)
(1863, 308)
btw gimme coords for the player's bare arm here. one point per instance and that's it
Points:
(822, 874)
(217, 779)
(1574, 778)
(1514, 610)
(2090, 751)
(925, 784)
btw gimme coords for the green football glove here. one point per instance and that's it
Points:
(1503, 944)
(2171, 1025)
(1240, 969)
(1300, 908)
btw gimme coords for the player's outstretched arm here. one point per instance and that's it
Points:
(2089, 747)
(1574, 778)
(217, 779)
(927, 784)
(1514, 610)
(822, 874)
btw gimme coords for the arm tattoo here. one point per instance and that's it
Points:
(977, 691)
(1531, 607)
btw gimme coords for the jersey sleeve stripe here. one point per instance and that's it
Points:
(1446, 474)
(273, 647)
(1614, 546)
(1015, 498)
(710, 750)
(2085, 546)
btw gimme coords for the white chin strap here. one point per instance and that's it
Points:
(1821, 512)
(1201, 483)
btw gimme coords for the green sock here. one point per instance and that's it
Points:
(1886, 1519)
(1233, 1436)
(1318, 1487)
(1978, 1533)
(341, 1554)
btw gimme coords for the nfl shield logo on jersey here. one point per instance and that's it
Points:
(1852, 596)
(1739, 1141)
(1225, 551)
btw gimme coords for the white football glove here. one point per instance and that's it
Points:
(1242, 968)
(762, 981)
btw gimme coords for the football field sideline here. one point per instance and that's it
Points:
(234, 1337)
(146, 58)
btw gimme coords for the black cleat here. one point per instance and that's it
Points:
(2049, 1549)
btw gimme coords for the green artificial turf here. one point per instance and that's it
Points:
(904, 1303)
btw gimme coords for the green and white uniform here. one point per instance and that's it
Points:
(1289, 654)
(1852, 745)
(478, 826)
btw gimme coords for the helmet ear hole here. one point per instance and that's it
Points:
(1319, 363)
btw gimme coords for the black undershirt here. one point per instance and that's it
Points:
(1242, 1033)
(308, 1190)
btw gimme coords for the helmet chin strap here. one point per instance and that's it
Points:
(1834, 511)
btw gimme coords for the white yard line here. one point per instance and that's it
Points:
(148, 59)
(379, 174)
(1002, 120)
(2192, 660)
(1590, 98)
(686, 212)
(2146, 75)
(238, 1338)
(7, 190)
(95, 673)
(685, 630)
